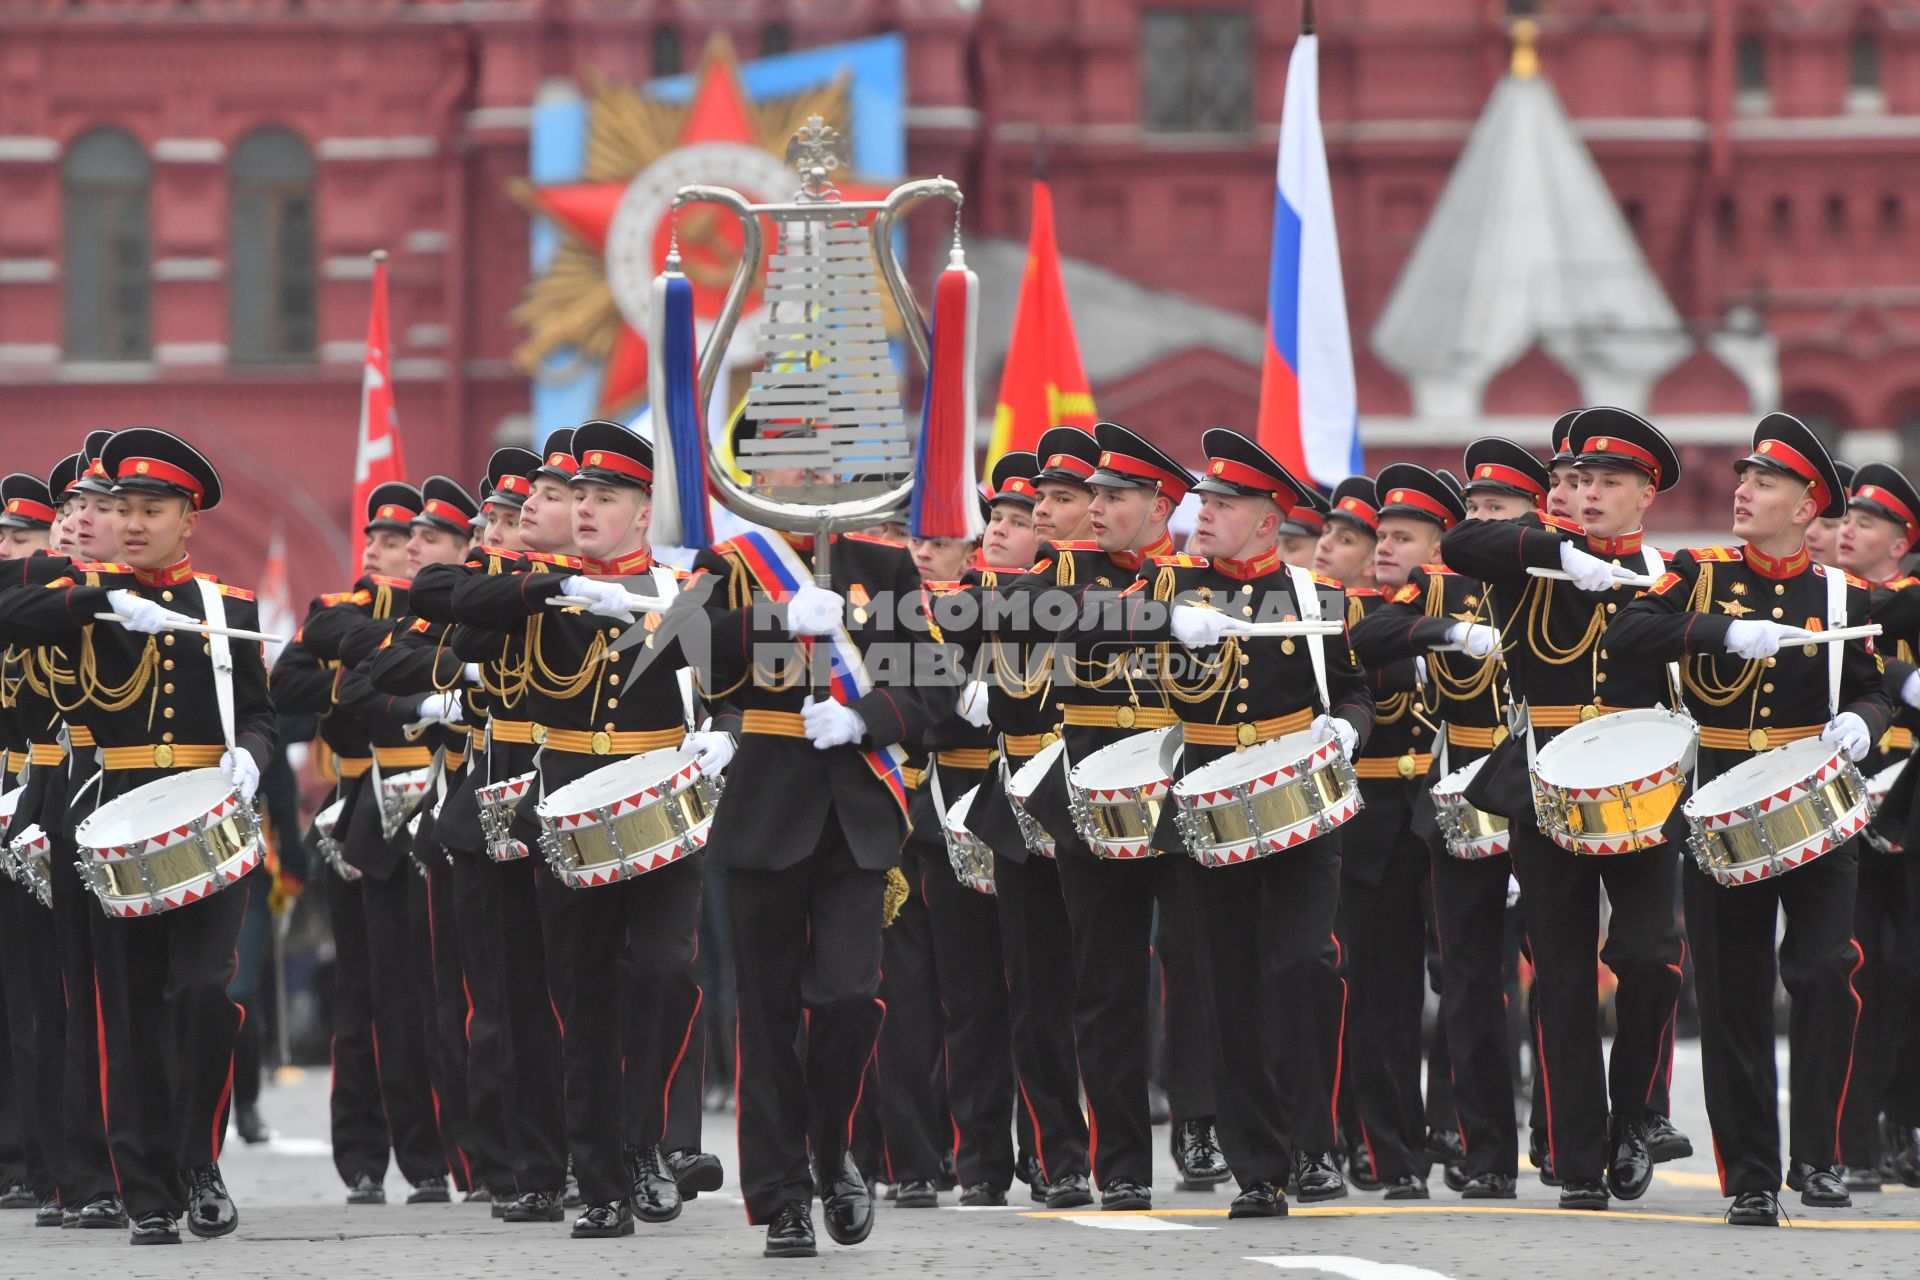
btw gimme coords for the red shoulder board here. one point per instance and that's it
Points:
(419, 624)
(1435, 569)
(876, 539)
(1405, 595)
(1718, 555)
(102, 566)
(488, 549)
(1665, 583)
(559, 561)
(1181, 561)
(1088, 545)
(1358, 591)
(397, 584)
(238, 593)
(346, 597)
(1138, 584)
(945, 588)
(1039, 566)
(1852, 581)
(60, 582)
(1563, 524)
(1331, 584)
(1901, 584)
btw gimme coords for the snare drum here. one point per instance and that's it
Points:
(1877, 788)
(8, 803)
(1469, 832)
(326, 837)
(1777, 811)
(1609, 784)
(30, 863)
(1021, 784)
(401, 795)
(1265, 799)
(972, 859)
(631, 817)
(169, 843)
(1115, 796)
(499, 804)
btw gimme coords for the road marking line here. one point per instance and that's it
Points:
(1125, 1222)
(1356, 1268)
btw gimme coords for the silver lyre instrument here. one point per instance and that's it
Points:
(827, 378)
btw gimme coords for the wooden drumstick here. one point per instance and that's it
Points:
(1238, 628)
(1619, 578)
(1836, 636)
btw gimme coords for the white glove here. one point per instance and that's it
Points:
(1513, 891)
(298, 753)
(472, 672)
(1910, 691)
(1752, 638)
(1475, 639)
(831, 724)
(712, 751)
(815, 611)
(1590, 572)
(1848, 732)
(1334, 727)
(144, 615)
(607, 599)
(240, 772)
(442, 707)
(1420, 671)
(973, 704)
(1198, 628)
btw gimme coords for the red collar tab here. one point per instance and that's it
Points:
(1174, 486)
(634, 562)
(1069, 462)
(1872, 493)
(618, 463)
(1420, 502)
(1260, 566)
(165, 472)
(170, 577)
(448, 512)
(1354, 509)
(1512, 476)
(1624, 545)
(1614, 449)
(1251, 478)
(31, 510)
(1134, 559)
(1781, 567)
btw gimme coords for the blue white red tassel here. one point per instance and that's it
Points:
(681, 514)
(944, 486)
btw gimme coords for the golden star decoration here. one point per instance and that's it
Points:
(1734, 608)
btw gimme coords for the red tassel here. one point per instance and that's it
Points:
(944, 504)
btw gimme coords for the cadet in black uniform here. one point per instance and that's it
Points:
(167, 1022)
(1729, 615)
(1558, 664)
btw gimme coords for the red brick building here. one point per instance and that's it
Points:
(189, 192)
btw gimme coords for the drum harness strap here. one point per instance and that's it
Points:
(1836, 619)
(220, 648)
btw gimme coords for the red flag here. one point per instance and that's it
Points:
(378, 457)
(276, 598)
(1043, 384)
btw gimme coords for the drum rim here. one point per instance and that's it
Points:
(1147, 742)
(1566, 741)
(142, 797)
(1706, 790)
(1040, 763)
(558, 804)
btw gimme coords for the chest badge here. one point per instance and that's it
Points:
(1733, 607)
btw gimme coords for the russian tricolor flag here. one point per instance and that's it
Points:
(1309, 412)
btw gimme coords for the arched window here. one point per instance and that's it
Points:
(107, 257)
(666, 51)
(271, 294)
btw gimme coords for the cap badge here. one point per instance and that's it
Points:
(141, 468)
(1602, 444)
(1398, 495)
(1105, 458)
(1485, 472)
(1219, 468)
(593, 459)
(1766, 446)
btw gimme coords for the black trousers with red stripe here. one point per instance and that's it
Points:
(1470, 908)
(395, 984)
(978, 1062)
(1734, 964)
(441, 972)
(913, 1110)
(35, 1019)
(1886, 1075)
(806, 954)
(86, 1164)
(1560, 896)
(167, 1027)
(667, 1020)
(1037, 947)
(1277, 1000)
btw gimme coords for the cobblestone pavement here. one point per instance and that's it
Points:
(294, 1224)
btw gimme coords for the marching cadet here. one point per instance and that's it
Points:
(1823, 535)
(1035, 936)
(1436, 607)
(1300, 532)
(1558, 665)
(1384, 862)
(1352, 528)
(814, 818)
(1267, 920)
(150, 700)
(635, 935)
(1880, 529)
(1563, 485)
(1730, 616)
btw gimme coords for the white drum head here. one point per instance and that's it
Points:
(621, 780)
(1130, 763)
(328, 817)
(1455, 783)
(1763, 775)
(1026, 779)
(957, 812)
(1242, 766)
(9, 802)
(147, 811)
(1616, 750)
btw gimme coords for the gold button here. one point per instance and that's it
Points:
(1048, 738)
(1603, 653)
(612, 703)
(860, 617)
(166, 595)
(1612, 607)
(1499, 734)
(168, 664)
(1245, 735)
(1778, 611)
(167, 712)
(1767, 688)
(1241, 707)
(163, 756)
(1757, 740)
(1779, 588)
(1246, 588)
(1243, 682)
(539, 734)
(167, 639)
(1123, 718)
(613, 633)
(1406, 765)
(613, 679)
(1766, 711)
(1589, 711)
(602, 744)
(167, 687)
(1600, 677)
(1247, 610)
(166, 737)
(1811, 650)
(1286, 645)
(1772, 662)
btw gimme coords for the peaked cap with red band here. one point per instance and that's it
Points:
(1356, 501)
(93, 476)
(65, 475)
(1130, 461)
(1012, 481)
(609, 453)
(509, 478)
(393, 506)
(1494, 465)
(1309, 518)
(1407, 489)
(1881, 490)
(1068, 455)
(1608, 437)
(556, 460)
(149, 460)
(1238, 467)
(1784, 444)
(1562, 427)
(25, 502)
(447, 506)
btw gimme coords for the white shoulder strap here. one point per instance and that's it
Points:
(1656, 566)
(1306, 594)
(1836, 618)
(221, 649)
